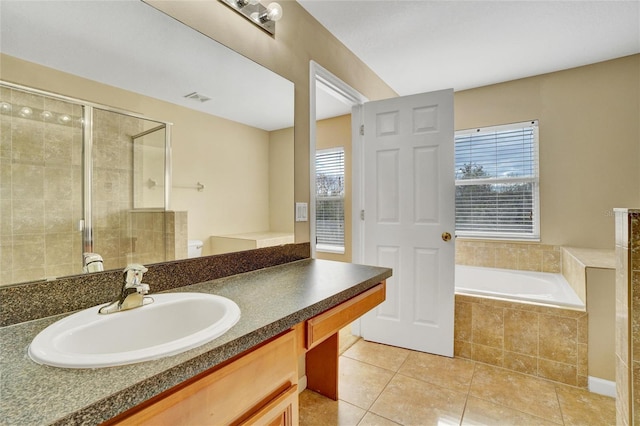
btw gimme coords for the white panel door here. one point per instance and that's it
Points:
(409, 202)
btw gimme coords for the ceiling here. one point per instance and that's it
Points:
(421, 46)
(414, 46)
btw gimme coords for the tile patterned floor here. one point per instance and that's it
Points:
(384, 385)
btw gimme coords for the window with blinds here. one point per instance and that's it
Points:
(330, 200)
(497, 192)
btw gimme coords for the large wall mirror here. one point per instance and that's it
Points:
(165, 142)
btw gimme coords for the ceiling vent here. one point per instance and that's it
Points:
(198, 97)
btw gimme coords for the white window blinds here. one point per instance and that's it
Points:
(497, 182)
(330, 200)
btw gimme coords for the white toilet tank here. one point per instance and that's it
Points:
(194, 248)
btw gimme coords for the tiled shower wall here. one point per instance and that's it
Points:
(507, 255)
(158, 236)
(40, 186)
(627, 317)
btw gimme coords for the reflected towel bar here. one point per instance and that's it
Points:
(198, 186)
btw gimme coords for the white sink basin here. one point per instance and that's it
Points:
(174, 323)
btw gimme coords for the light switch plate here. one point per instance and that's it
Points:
(302, 212)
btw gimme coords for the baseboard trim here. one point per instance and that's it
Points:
(602, 386)
(302, 384)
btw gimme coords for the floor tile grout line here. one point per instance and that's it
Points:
(395, 373)
(368, 410)
(555, 388)
(375, 365)
(466, 400)
(515, 409)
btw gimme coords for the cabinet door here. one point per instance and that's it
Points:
(232, 394)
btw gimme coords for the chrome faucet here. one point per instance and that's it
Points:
(92, 262)
(133, 291)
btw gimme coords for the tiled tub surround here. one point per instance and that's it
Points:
(541, 341)
(39, 299)
(591, 273)
(575, 262)
(509, 255)
(271, 300)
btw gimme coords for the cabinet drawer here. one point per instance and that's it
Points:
(231, 394)
(281, 411)
(329, 322)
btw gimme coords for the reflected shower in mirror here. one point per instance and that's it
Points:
(69, 173)
(231, 163)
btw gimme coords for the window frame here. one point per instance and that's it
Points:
(324, 247)
(534, 235)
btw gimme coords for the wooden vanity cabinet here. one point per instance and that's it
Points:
(320, 335)
(260, 387)
(257, 388)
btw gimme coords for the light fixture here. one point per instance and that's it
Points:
(64, 119)
(42, 115)
(25, 112)
(5, 107)
(254, 11)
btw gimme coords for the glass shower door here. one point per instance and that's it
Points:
(41, 178)
(128, 189)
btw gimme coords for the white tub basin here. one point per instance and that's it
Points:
(174, 323)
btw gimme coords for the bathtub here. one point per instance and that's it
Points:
(532, 287)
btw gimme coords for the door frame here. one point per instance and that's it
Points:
(320, 75)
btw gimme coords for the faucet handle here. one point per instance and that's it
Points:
(133, 273)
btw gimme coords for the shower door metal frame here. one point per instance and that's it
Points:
(167, 157)
(86, 224)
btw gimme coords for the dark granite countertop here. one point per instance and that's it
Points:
(271, 300)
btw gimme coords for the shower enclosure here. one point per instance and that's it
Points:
(77, 177)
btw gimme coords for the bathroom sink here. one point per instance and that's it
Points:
(173, 323)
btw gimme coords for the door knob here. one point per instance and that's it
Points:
(446, 236)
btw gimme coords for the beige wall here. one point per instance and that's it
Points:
(232, 161)
(334, 133)
(299, 38)
(229, 158)
(589, 143)
(281, 204)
